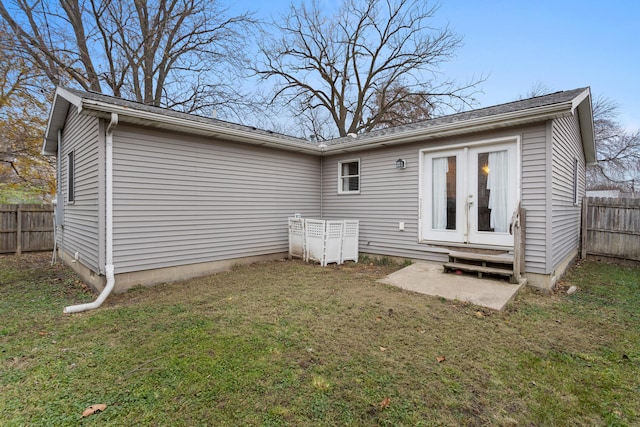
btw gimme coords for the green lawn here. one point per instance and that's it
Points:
(287, 343)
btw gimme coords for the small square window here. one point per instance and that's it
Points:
(71, 194)
(349, 177)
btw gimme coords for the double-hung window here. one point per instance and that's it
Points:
(349, 177)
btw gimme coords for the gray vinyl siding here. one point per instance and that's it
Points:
(565, 233)
(81, 217)
(534, 197)
(181, 199)
(389, 195)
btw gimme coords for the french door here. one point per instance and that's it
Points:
(469, 194)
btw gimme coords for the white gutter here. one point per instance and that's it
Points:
(513, 118)
(180, 124)
(108, 268)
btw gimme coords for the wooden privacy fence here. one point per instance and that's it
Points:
(26, 228)
(611, 228)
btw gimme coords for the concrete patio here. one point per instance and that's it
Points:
(430, 278)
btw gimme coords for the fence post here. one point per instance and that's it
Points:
(19, 230)
(583, 233)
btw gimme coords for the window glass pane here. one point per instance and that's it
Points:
(483, 211)
(70, 178)
(354, 183)
(353, 168)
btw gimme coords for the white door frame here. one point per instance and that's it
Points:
(464, 233)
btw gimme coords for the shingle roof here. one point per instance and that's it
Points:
(99, 97)
(529, 110)
(510, 107)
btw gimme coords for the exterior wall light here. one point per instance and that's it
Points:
(401, 164)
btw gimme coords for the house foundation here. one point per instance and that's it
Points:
(126, 281)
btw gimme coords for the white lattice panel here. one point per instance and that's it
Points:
(350, 240)
(314, 240)
(324, 241)
(333, 242)
(296, 237)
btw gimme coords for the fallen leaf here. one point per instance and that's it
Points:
(379, 318)
(94, 409)
(479, 314)
(383, 348)
(384, 404)
(42, 333)
(440, 359)
(422, 331)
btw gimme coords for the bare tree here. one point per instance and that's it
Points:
(537, 89)
(350, 65)
(176, 53)
(398, 106)
(618, 151)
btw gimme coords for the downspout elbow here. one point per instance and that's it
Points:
(111, 281)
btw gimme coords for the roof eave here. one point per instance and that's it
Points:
(62, 100)
(582, 103)
(511, 119)
(126, 114)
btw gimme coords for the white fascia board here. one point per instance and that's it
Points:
(194, 127)
(450, 129)
(582, 103)
(62, 99)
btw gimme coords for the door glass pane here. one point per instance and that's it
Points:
(444, 193)
(483, 211)
(493, 185)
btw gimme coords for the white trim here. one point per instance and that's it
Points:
(464, 147)
(180, 124)
(511, 119)
(340, 177)
(470, 144)
(514, 118)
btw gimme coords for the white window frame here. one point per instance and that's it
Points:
(71, 177)
(341, 177)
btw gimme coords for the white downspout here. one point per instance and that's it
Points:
(108, 268)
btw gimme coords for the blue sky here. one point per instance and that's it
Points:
(561, 44)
